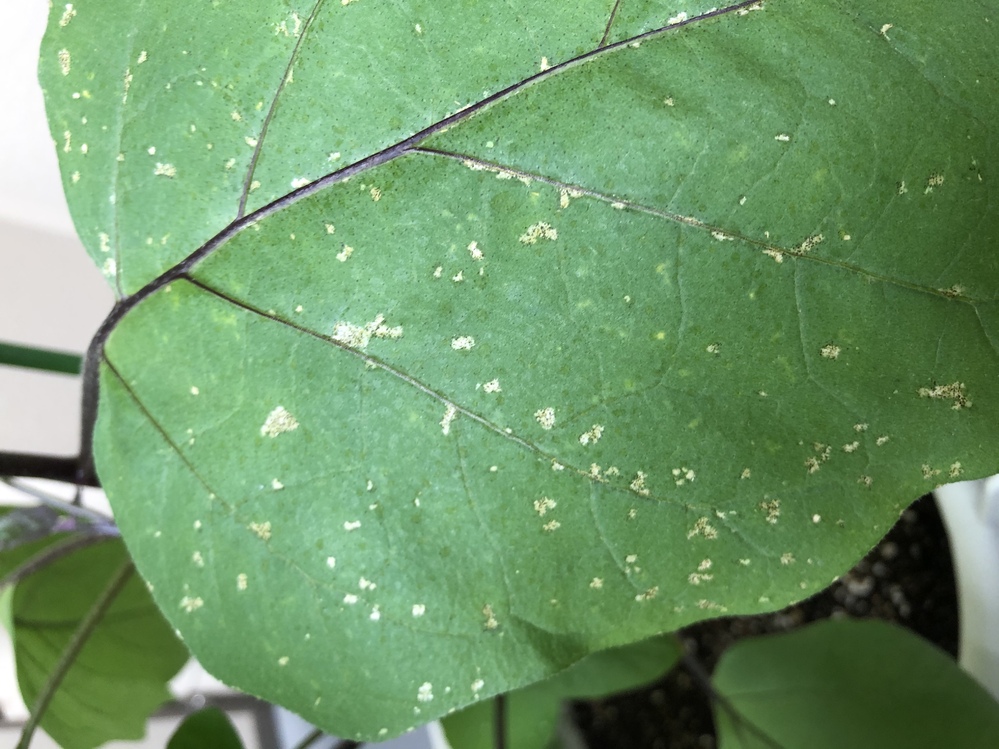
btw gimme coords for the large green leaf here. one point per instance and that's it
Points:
(120, 676)
(672, 325)
(850, 684)
(532, 713)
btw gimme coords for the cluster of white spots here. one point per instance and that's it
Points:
(263, 530)
(777, 255)
(419, 609)
(678, 18)
(375, 194)
(816, 519)
(551, 526)
(538, 231)
(277, 422)
(630, 560)
(493, 386)
(749, 8)
(597, 583)
(702, 575)
(345, 253)
(241, 581)
(282, 28)
(474, 251)
(618, 205)
(782, 137)
(350, 599)
(954, 291)
(591, 435)
(900, 187)
(105, 241)
(543, 505)
(365, 584)
(722, 236)
(955, 470)
(648, 595)
(556, 466)
(682, 475)
(463, 343)
(865, 481)
(283, 660)
(449, 415)
(955, 391)
(110, 267)
(808, 244)
(458, 277)
(772, 509)
(251, 142)
(860, 427)
(851, 447)
(703, 528)
(929, 472)
(787, 558)
(632, 513)
(565, 194)
(637, 484)
(885, 29)
(545, 417)
(822, 454)
(426, 691)
(195, 390)
(67, 15)
(418, 28)
(376, 613)
(64, 61)
(883, 439)
(359, 336)
(331, 562)
(487, 612)
(352, 525)
(198, 559)
(830, 351)
(544, 64)
(299, 182)
(191, 603)
(713, 348)
(746, 473)
(668, 101)
(143, 56)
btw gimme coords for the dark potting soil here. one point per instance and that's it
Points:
(908, 579)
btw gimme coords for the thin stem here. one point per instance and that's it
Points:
(57, 468)
(310, 739)
(39, 358)
(60, 505)
(499, 722)
(69, 655)
(51, 554)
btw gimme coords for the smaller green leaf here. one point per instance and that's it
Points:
(850, 684)
(209, 728)
(532, 712)
(121, 674)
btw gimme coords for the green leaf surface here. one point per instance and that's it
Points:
(532, 713)
(616, 317)
(209, 728)
(121, 674)
(859, 684)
